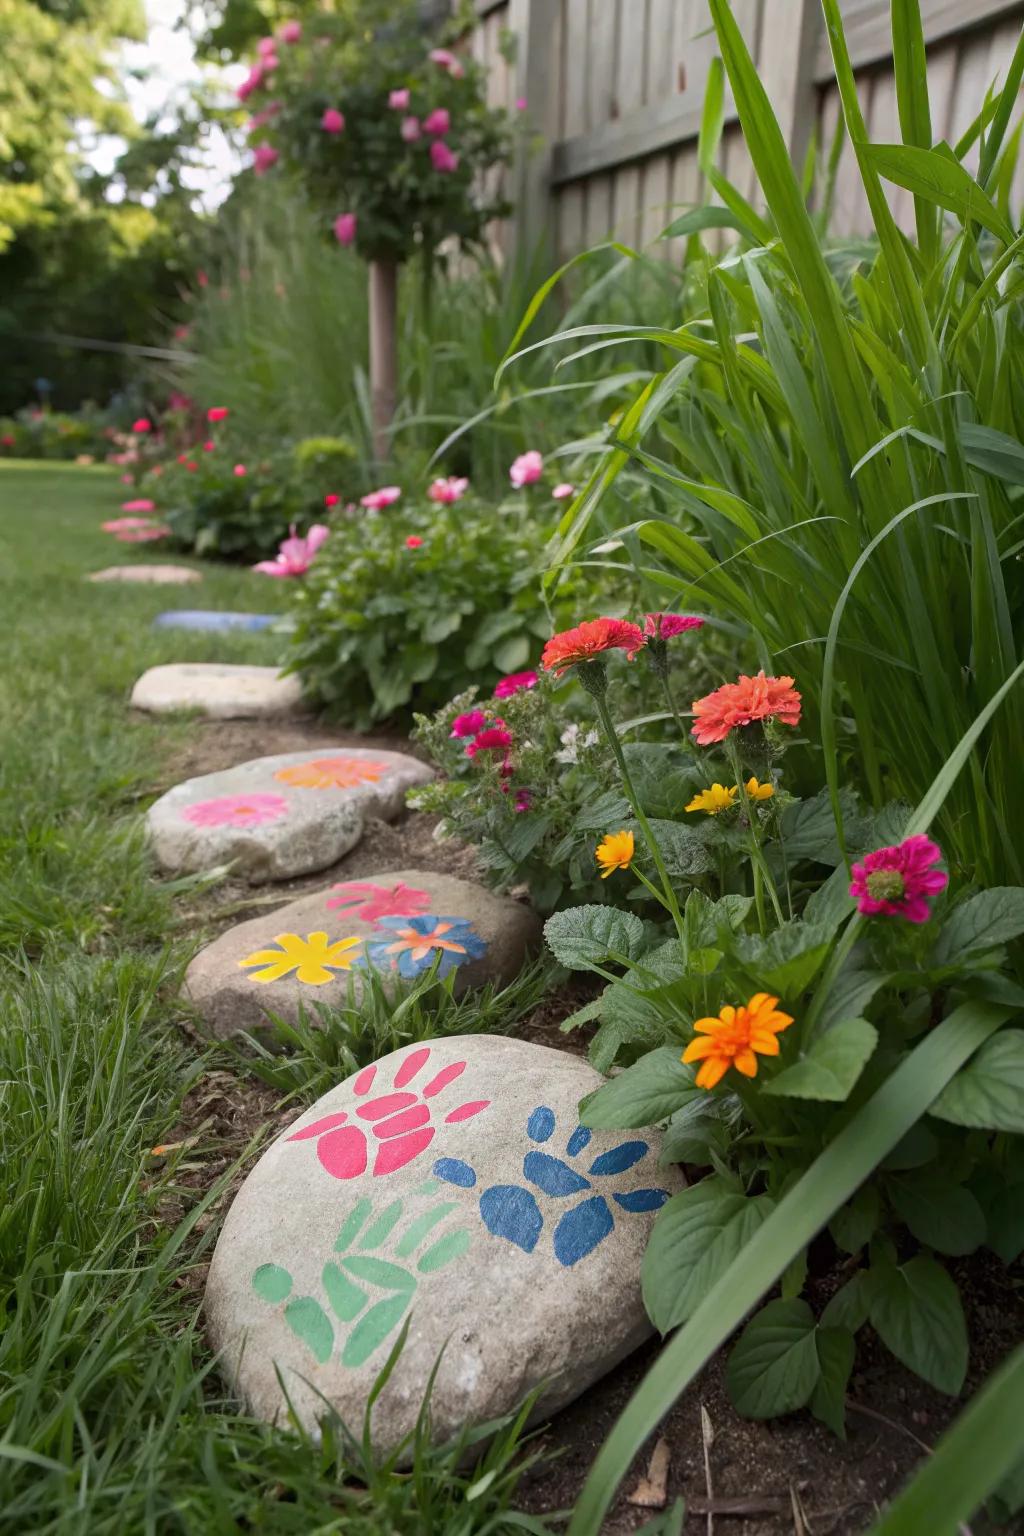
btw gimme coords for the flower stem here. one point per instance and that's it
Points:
(670, 700)
(762, 874)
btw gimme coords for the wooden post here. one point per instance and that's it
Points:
(536, 27)
(383, 297)
(790, 30)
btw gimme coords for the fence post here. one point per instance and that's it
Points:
(790, 30)
(535, 24)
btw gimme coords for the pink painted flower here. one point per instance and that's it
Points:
(209, 446)
(371, 902)
(447, 60)
(493, 738)
(119, 524)
(527, 469)
(235, 810)
(447, 491)
(345, 228)
(240, 470)
(142, 426)
(410, 129)
(331, 499)
(296, 554)
(468, 724)
(515, 682)
(399, 100)
(332, 121)
(441, 157)
(564, 491)
(217, 413)
(662, 626)
(140, 504)
(144, 535)
(414, 541)
(377, 500)
(290, 32)
(263, 157)
(437, 122)
(899, 881)
(265, 46)
(400, 1121)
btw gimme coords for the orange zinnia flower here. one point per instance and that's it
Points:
(736, 1038)
(331, 773)
(587, 641)
(742, 702)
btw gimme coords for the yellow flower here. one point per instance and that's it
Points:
(757, 791)
(736, 1038)
(314, 959)
(615, 851)
(713, 800)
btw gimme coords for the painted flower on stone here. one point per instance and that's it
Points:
(398, 1119)
(735, 1038)
(345, 228)
(314, 959)
(437, 122)
(899, 881)
(332, 121)
(714, 800)
(236, 810)
(296, 554)
(469, 723)
(331, 773)
(141, 504)
(743, 702)
(442, 158)
(370, 903)
(263, 157)
(615, 851)
(399, 100)
(590, 640)
(527, 468)
(515, 682)
(662, 626)
(143, 535)
(445, 491)
(385, 497)
(120, 524)
(415, 944)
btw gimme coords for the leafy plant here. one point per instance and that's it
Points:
(216, 504)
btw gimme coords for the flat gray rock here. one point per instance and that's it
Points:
(277, 817)
(311, 951)
(451, 1185)
(160, 575)
(217, 689)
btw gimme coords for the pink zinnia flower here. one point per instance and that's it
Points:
(332, 121)
(493, 738)
(142, 426)
(296, 554)
(345, 228)
(468, 724)
(209, 446)
(217, 413)
(331, 499)
(447, 491)
(899, 881)
(240, 470)
(441, 157)
(526, 469)
(446, 60)
(410, 129)
(236, 810)
(662, 626)
(399, 100)
(413, 541)
(437, 122)
(263, 157)
(563, 492)
(290, 32)
(514, 683)
(142, 504)
(377, 500)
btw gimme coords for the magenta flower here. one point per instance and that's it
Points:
(141, 504)
(662, 626)
(261, 119)
(265, 46)
(526, 469)
(522, 801)
(217, 413)
(564, 491)
(263, 157)
(437, 122)
(331, 499)
(410, 129)
(515, 682)
(252, 82)
(290, 32)
(142, 426)
(240, 470)
(235, 810)
(441, 157)
(899, 881)
(345, 228)
(468, 724)
(399, 100)
(332, 121)
(371, 902)
(296, 554)
(414, 541)
(447, 491)
(493, 738)
(447, 60)
(209, 446)
(377, 500)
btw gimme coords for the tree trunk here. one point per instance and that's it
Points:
(383, 353)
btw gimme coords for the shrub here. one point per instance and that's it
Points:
(213, 510)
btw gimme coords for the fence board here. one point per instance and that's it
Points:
(575, 70)
(654, 214)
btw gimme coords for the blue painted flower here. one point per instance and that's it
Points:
(511, 1211)
(413, 943)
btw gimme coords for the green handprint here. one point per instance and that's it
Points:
(344, 1280)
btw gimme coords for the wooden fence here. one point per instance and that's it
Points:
(616, 89)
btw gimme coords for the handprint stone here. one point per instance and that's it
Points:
(449, 1187)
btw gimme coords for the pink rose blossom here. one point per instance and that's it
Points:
(493, 738)
(399, 100)
(414, 541)
(514, 683)
(209, 447)
(218, 413)
(437, 122)
(332, 121)
(142, 426)
(385, 497)
(236, 810)
(296, 554)
(240, 470)
(564, 491)
(252, 82)
(662, 626)
(290, 32)
(263, 157)
(527, 469)
(261, 119)
(345, 228)
(331, 499)
(410, 129)
(898, 881)
(447, 491)
(468, 724)
(141, 504)
(269, 61)
(446, 60)
(441, 157)
(266, 45)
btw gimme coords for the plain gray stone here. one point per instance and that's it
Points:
(217, 689)
(159, 575)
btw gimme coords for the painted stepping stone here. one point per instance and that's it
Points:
(277, 817)
(310, 952)
(217, 689)
(452, 1185)
(210, 619)
(161, 575)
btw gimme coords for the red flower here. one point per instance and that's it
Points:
(662, 626)
(513, 683)
(468, 724)
(743, 702)
(493, 738)
(588, 641)
(142, 426)
(331, 499)
(217, 413)
(413, 541)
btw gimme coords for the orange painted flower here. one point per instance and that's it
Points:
(736, 1038)
(742, 702)
(588, 640)
(331, 773)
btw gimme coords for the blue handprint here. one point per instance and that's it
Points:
(512, 1212)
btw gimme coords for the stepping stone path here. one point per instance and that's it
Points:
(311, 951)
(451, 1184)
(161, 575)
(277, 817)
(210, 619)
(218, 690)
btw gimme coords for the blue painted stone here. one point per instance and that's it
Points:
(454, 1171)
(511, 1212)
(208, 618)
(619, 1158)
(642, 1199)
(581, 1229)
(541, 1124)
(552, 1175)
(578, 1140)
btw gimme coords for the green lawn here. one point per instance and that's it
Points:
(110, 1419)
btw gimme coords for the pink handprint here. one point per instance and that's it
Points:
(400, 1120)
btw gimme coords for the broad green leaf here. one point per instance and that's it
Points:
(583, 938)
(854, 1226)
(916, 1312)
(979, 923)
(940, 179)
(831, 1065)
(945, 1216)
(787, 961)
(848, 1308)
(695, 1238)
(695, 1132)
(684, 849)
(994, 452)
(913, 1150)
(989, 1092)
(836, 1349)
(848, 995)
(652, 1089)
(774, 1367)
(700, 219)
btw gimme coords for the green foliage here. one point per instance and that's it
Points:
(213, 510)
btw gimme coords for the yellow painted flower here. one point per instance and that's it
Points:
(615, 851)
(332, 773)
(314, 959)
(758, 791)
(736, 1038)
(713, 800)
